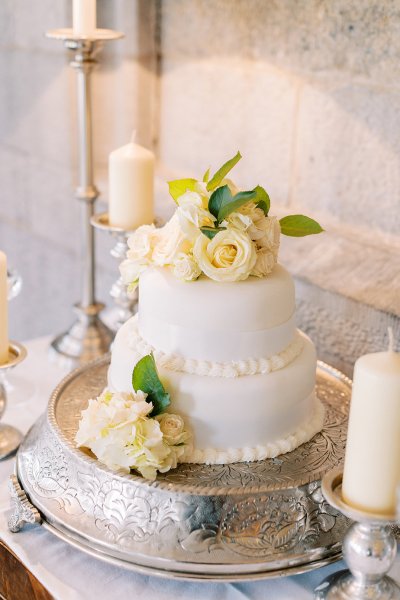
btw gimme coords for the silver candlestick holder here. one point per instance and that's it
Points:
(369, 548)
(10, 437)
(88, 337)
(126, 304)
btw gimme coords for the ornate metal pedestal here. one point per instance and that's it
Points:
(222, 522)
(88, 337)
(369, 549)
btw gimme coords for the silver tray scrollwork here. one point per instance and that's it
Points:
(224, 522)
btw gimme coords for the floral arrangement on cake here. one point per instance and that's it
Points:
(132, 431)
(217, 230)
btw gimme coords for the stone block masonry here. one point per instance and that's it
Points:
(307, 90)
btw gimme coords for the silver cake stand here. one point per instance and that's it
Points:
(243, 521)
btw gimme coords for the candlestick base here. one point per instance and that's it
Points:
(369, 549)
(125, 304)
(10, 438)
(88, 338)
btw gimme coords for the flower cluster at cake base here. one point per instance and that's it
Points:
(216, 230)
(123, 431)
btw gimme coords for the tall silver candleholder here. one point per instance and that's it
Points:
(10, 437)
(88, 337)
(126, 304)
(369, 548)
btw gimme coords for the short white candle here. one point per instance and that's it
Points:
(372, 461)
(131, 187)
(84, 17)
(3, 310)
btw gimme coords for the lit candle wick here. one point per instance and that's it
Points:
(391, 339)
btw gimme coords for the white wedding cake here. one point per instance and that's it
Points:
(229, 354)
(212, 368)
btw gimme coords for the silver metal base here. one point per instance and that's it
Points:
(10, 439)
(87, 339)
(125, 304)
(343, 586)
(222, 522)
(369, 549)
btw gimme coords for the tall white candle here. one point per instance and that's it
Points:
(3, 309)
(372, 461)
(84, 17)
(131, 186)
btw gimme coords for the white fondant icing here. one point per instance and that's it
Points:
(203, 335)
(305, 432)
(217, 321)
(241, 412)
(248, 366)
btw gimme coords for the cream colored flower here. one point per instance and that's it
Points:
(191, 218)
(171, 241)
(229, 256)
(186, 268)
(266, 233)
(141, 243)
(130, 271)
(251, 210)
(118, 430)
(238, 221)
(266, 261)
(190, 198)
(173, 428)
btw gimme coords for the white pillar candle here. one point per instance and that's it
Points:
(131, 187)
(3, 310)
(84, 17)
(372, 460)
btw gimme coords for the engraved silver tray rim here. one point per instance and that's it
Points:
(218, 564)
(166, 573)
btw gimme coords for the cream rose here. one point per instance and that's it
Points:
(229, 256)
(171, 240)
(186, 268)
(190, 198)
(266, 232)
(131, 270)
(265, 263)
(250, 209)
(172, 428)
(192, 217)
(238, 221)
(141, 243)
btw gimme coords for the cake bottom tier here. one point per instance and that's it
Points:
(237, 419)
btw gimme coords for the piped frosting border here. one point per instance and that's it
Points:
(303, 434)
(232, 369)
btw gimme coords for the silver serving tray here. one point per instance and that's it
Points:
(222, 522)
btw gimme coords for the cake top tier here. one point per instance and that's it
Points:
(217, 231)
(217, 321)
(252, 305)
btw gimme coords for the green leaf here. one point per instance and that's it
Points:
(180, 186)
(299, 226)
(145, 378)
(234, 203)
(206, 175)
(222, 195)
(211, 232)
(223, 172)
(262, 199)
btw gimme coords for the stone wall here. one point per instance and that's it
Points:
(307, 90)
